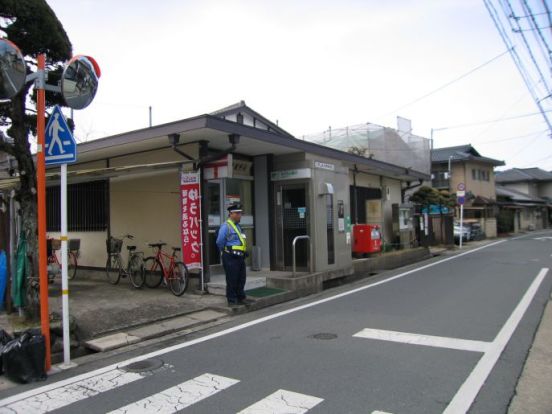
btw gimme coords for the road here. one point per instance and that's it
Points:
(446, 336)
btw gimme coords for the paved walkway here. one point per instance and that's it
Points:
(533, 392)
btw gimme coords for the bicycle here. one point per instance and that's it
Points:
(164, 267)
(114, 266)
(55, 244)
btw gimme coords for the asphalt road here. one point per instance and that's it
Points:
(450, 335)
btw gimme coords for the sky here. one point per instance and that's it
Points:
(313, 64)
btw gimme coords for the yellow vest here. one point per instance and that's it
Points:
(242, 240)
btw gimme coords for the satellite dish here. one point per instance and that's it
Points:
(79, 81)
(12, 70)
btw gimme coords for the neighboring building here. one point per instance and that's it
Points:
(376, 195)
(535, 185)
(452, 166)
(519, 211)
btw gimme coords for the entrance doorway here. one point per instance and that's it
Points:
(292, 218)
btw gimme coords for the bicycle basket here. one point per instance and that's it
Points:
(55, 244)
(114, 245)
(74, 245)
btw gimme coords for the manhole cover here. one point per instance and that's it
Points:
(324, 336)
(145, 365)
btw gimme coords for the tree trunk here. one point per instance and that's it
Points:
(27, 194)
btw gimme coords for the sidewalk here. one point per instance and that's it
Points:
(533, 389)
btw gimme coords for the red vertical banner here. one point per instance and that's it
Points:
(190, 196)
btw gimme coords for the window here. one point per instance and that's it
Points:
(87, 207)
(474, 174)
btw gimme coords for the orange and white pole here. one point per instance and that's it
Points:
(41, 196)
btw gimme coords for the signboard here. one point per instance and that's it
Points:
(190, 194)
(301, 211)
(436, 209)
(290, 174)
(60, 146)
(221, 168)
(324, 166)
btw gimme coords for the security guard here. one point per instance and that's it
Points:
(231, 243)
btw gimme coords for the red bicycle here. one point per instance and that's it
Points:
(55, 244)
(164, 267)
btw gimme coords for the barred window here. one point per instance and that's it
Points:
(87, 207)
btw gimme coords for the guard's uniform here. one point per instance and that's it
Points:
(231, 242)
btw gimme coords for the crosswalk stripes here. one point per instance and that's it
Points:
(167, 401)
(180, 396)
(283, 401)
(71, 393)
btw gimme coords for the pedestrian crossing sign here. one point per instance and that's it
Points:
(60, 146)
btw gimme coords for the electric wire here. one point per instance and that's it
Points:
(515, 57)
(444, 85)
(527, 47)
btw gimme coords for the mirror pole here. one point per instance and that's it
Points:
(41, 204)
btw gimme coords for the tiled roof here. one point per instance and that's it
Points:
(460, 153)
(515, 195)
(523, 174)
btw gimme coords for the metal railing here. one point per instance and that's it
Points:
(305, 237)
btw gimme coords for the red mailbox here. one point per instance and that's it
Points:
(366, 238)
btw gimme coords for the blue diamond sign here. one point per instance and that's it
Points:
(61, 147)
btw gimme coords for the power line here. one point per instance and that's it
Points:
(528, 47)
(515, 57)
(489, 122)
(512, 138)
(445, 85)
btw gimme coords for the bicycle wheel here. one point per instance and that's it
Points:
(113, 268)
(178, 279)
(72, 265)
(136, 271)
(153, 272)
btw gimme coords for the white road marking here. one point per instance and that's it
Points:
(48, 387)
(465, 396)
(180, 396)
(68, 394)
(283, 401)
(380, 412)
(427, 340)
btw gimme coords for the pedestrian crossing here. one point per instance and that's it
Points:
(168, 401)
(180, 396)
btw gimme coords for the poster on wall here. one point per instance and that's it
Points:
(340, 216)
(190, 197)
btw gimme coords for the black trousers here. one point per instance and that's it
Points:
(234, 267)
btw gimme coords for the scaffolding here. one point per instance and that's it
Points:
(380, 143)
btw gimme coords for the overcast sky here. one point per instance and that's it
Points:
(310, 65)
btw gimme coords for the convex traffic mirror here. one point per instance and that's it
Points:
(79, 81)
(12, 69)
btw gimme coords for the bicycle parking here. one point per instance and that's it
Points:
(163, 267)
(114, 266)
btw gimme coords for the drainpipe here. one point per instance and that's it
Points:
(355, 195)
(205, 158)
(174, 139)
(409, 187)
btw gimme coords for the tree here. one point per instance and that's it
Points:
(34, 28)
(427, 196)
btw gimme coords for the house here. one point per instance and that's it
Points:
(454, 166)
(528, 191)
